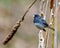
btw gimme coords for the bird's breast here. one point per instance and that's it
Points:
(40, 26)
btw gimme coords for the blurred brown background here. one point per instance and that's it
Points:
(27, 34)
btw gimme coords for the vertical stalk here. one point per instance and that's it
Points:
(55, 15)
(53, 31)
(46, 35)
(40, 34)
(41, 39)
(53, 8)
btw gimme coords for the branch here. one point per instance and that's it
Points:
(16, 26)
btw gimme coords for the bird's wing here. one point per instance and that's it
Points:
(44, 22)
(41, 21)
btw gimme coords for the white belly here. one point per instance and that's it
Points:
(40, 26)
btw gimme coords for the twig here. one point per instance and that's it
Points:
(16, 26)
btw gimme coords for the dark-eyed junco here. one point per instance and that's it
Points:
(41, 23)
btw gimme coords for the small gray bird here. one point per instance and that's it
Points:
(41, 23)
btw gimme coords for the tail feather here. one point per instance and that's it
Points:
(44, 30)
(51, 28)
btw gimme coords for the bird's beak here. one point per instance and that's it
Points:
(33, 16)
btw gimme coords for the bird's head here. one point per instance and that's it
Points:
(37, 15)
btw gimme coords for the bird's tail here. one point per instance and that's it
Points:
(44, 30)
(51, 28)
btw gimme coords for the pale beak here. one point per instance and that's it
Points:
(33, 16)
